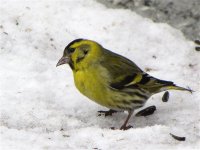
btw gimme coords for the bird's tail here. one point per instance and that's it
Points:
(154, 85)
(168, 85)
(174, 87)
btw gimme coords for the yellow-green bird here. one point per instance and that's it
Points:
(109, 79)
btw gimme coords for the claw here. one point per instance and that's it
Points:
(106, 113)
(126, 127)
(112, 128)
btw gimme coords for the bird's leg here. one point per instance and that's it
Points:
(107, 113)
(124, 127)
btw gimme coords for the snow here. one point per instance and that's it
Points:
(39, 104)
(181, 14)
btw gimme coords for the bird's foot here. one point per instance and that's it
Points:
(113, 128)
(106, 113)
(147, 111)
(126, 127)
(122, 127)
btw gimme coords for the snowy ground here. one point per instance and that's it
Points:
(181, 14)
(40, 107)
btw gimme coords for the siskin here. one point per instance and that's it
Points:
(109, 79)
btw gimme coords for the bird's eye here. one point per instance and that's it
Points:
(71, 50)
(85, 52)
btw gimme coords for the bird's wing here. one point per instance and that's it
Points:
(126, 74)
(123, 72)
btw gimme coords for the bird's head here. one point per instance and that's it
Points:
(80, 53)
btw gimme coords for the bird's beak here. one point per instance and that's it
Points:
(63, 60)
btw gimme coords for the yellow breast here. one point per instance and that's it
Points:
(93, 84)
